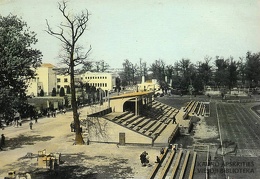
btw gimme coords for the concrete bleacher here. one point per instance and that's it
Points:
(177, 163)
(196, 108)
(151, 122)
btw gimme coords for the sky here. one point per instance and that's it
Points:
(148, 29)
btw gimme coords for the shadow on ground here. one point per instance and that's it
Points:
(21, 140)
(80, 166)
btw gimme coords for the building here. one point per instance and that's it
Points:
(64, 80)
(150, 85)
(49, 77)
(105, 81)
(44, 80)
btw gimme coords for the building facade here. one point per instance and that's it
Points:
(44, 80)
(105, 81)
(48, 78)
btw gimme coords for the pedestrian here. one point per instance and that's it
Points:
(72, 126)
(158, 160)
(19, 122)
(31, 124)
(2, 140)
(36, 119)
(162, 151)
(143, 158)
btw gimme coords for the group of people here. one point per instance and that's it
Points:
(144, 158)
(51, 113)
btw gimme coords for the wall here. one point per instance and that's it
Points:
(111, 134)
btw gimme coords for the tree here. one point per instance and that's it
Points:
(204, 74)
(221, 74)
(41, 93)
(69, 34)
(158, 72)
(186, 73)
(54, 92)
(233, 73)
(252, 69)
(128, 73)
(18, 61)
(68, 90)
(100, 66)
(62, 92)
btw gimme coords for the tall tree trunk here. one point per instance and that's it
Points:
(78, 136)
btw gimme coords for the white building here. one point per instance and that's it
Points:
(105, 81)
(150, 85)
(44, 80)
(64, 80)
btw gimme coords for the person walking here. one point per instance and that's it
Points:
(2, 141)
(31, 124)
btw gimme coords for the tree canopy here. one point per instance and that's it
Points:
(18, 61)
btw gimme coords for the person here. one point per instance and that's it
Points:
(174, 148)
(158, 160)
(162, 151)
(31, 124)
(2, 141)
(143, 158)
(72, 127)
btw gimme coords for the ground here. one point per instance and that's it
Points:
(238, 126)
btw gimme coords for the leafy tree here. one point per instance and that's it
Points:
(233, 73)
(41, 92)
(252, 69)
(158, 71)
(68, 90)
(128, 73)
(221, 74)
(62, 92)
(204, 74)
(69, 33)
(242, 70)
(187, 73)
(54, 92)
(118, 84)
(18, 61)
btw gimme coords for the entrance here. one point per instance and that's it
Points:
(121, 138)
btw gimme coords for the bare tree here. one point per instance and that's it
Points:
(69, 34)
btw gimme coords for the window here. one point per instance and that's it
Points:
(65, 79)
(105, 84)
(58, 80)
(58, 86)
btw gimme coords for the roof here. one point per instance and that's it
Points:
(47, 65)
(133, 94)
